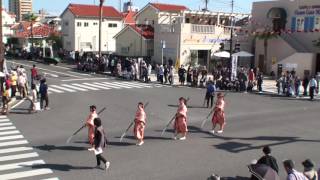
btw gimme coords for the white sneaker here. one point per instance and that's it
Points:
(140, 144)
(220, 131)
(107, 165)
(91, 149)
(212, 132)
(174, 138)
(182, 138)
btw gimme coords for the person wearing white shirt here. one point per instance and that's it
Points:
(312, 87)
(292, 173)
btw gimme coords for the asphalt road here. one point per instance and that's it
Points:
(289, 126)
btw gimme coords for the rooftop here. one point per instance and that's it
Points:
(82, 10)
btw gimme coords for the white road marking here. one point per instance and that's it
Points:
(11, 137)
(79, 73)
(20, 102)
(124, 84)
(7, 128)
(111, 84)
(9, 132)
(139, 84)
(5, 124)
(55, 178)
(96, 86)
(18, 156)
(4, 120)
(21, 165)
(54, 90)
(73, 87)
(12, 143)
(16, 149)
(43, 69)
(62, 88)
(105, 85)
(84, 79)
(86, 87)
(3, 117)
(25, 174)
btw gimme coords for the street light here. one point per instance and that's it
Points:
(163, 45)
(100, 25)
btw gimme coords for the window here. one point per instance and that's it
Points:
(86, 24)
(317, 23)
(95, 23)
(79, 24)
(112, 25)
(66, 23)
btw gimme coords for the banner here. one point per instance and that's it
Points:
(234, 67)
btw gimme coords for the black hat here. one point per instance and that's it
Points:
(266, 150)
(93, 107)
(308, 164)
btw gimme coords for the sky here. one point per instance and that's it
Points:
(57, 6)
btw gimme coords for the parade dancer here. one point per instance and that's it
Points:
(219, 116)
(90, 124)
(140, 123)
(99, 143)
(180, 123)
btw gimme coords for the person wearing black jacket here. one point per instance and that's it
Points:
(99, 143)
(268, 160)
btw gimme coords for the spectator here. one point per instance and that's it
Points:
(268, 160)
(305, 85)
(312, 87)
(189, 75)
(161, 73)
(181, 73)
(166, 72)
(44, 94)
(297, 85)
(211, 89)
(13, 80)
(34, 73)
(34, 97)
(309, 170)
(292, 173)
(259, 81)
(22, 85)
(5, 100)
(171, 75)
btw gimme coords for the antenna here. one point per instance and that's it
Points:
(206, 2)
(120, 5)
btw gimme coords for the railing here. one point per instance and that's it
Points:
(294, 43)
(202, 29)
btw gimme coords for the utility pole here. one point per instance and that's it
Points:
(1, 41)
(231, 33)
(206, 2)
(100, 25)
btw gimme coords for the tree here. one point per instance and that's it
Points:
(31, 18)
(266, 36)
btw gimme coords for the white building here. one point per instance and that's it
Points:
(80, 28)
(8, 21)
(295, 24)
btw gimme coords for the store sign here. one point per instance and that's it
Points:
(234, 68)
(308, 10)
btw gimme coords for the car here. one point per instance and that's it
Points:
(51, 60)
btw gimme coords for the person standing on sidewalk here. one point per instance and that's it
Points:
(13, 80)
(100, 143)
(312, 87)
(139, 124)
(43, 90)
(5, 100)
(259, 81)
(34, 73)
(165, 73)
(305, 85)
(161, 73)
(181, 73)
(171, 75)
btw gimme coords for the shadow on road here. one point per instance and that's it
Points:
(50, 148)
(189, 106)
(117, 143)
(59, 167)
(236, 147)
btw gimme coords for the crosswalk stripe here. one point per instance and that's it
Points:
(18, 156)
(3, 117)
(9, 132)
(11, 137)
(16, 149)
(25, 174)
(112, 84)
(128, 85)
(105, 85)
(55, 178)
(20, 165)
(7, 128)
(4, 120)
(12, 143)
(6, 124)
(54, 90)
(62, 88)
(138, 85)
(73, 87)
(96, 86)
(86, 87)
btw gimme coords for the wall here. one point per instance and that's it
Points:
(131, 40)
(148, 14)
(68, 36)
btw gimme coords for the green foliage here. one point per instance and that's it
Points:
(31, 17)
(56, 41)
(267, 35)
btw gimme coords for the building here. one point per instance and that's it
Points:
(80, 28)
(20, 8)
(8, 20)
(180, 34)
(291, 27)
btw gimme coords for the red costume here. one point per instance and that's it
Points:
(219, 116)
(140, 123)
(180, 123)
(90, 126)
